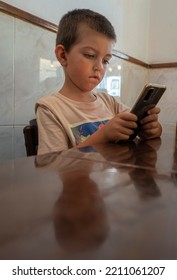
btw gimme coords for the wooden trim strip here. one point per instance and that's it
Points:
(13, 11)
(18, 13)
(163, 65)
(130, 59)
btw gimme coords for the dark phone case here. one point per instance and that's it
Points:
(148, 99)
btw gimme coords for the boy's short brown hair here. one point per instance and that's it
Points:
(68, 26)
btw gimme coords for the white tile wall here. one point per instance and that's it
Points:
(168, 103)
(37, 72)
(6, 69)
(28, 70)
(6, 142)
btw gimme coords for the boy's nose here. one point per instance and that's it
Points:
(98, 66)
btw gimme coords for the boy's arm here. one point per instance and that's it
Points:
(51, 136)
(118, 128)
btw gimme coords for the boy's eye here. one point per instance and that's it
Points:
(89, 55)
(93, 56)
(105, 61)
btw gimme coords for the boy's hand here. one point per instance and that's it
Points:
(120, 127)
(150, 128)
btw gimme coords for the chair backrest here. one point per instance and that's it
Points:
(31, 137)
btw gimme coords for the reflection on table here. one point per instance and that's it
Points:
(113, 201)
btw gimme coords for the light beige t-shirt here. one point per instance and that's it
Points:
(63, 123)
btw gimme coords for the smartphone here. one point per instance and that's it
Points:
(148, 99)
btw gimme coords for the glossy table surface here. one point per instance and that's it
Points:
(113, 201)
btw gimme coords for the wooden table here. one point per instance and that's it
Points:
(114, 201)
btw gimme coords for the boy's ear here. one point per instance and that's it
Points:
(61, 54)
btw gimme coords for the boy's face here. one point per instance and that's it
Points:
(87, 60)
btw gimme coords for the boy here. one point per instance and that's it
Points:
(76, 115)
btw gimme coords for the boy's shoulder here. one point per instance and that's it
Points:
(48, 101)
(47, 98)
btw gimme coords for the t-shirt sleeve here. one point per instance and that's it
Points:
(51, 134)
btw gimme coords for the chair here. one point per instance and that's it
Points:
(31, 138)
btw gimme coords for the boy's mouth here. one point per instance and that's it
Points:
(95, 78)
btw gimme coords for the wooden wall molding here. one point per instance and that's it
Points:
(18, 13)
(163, 65)
(13, 11)
(129, 58)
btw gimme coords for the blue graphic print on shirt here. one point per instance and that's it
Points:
(82, 131)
